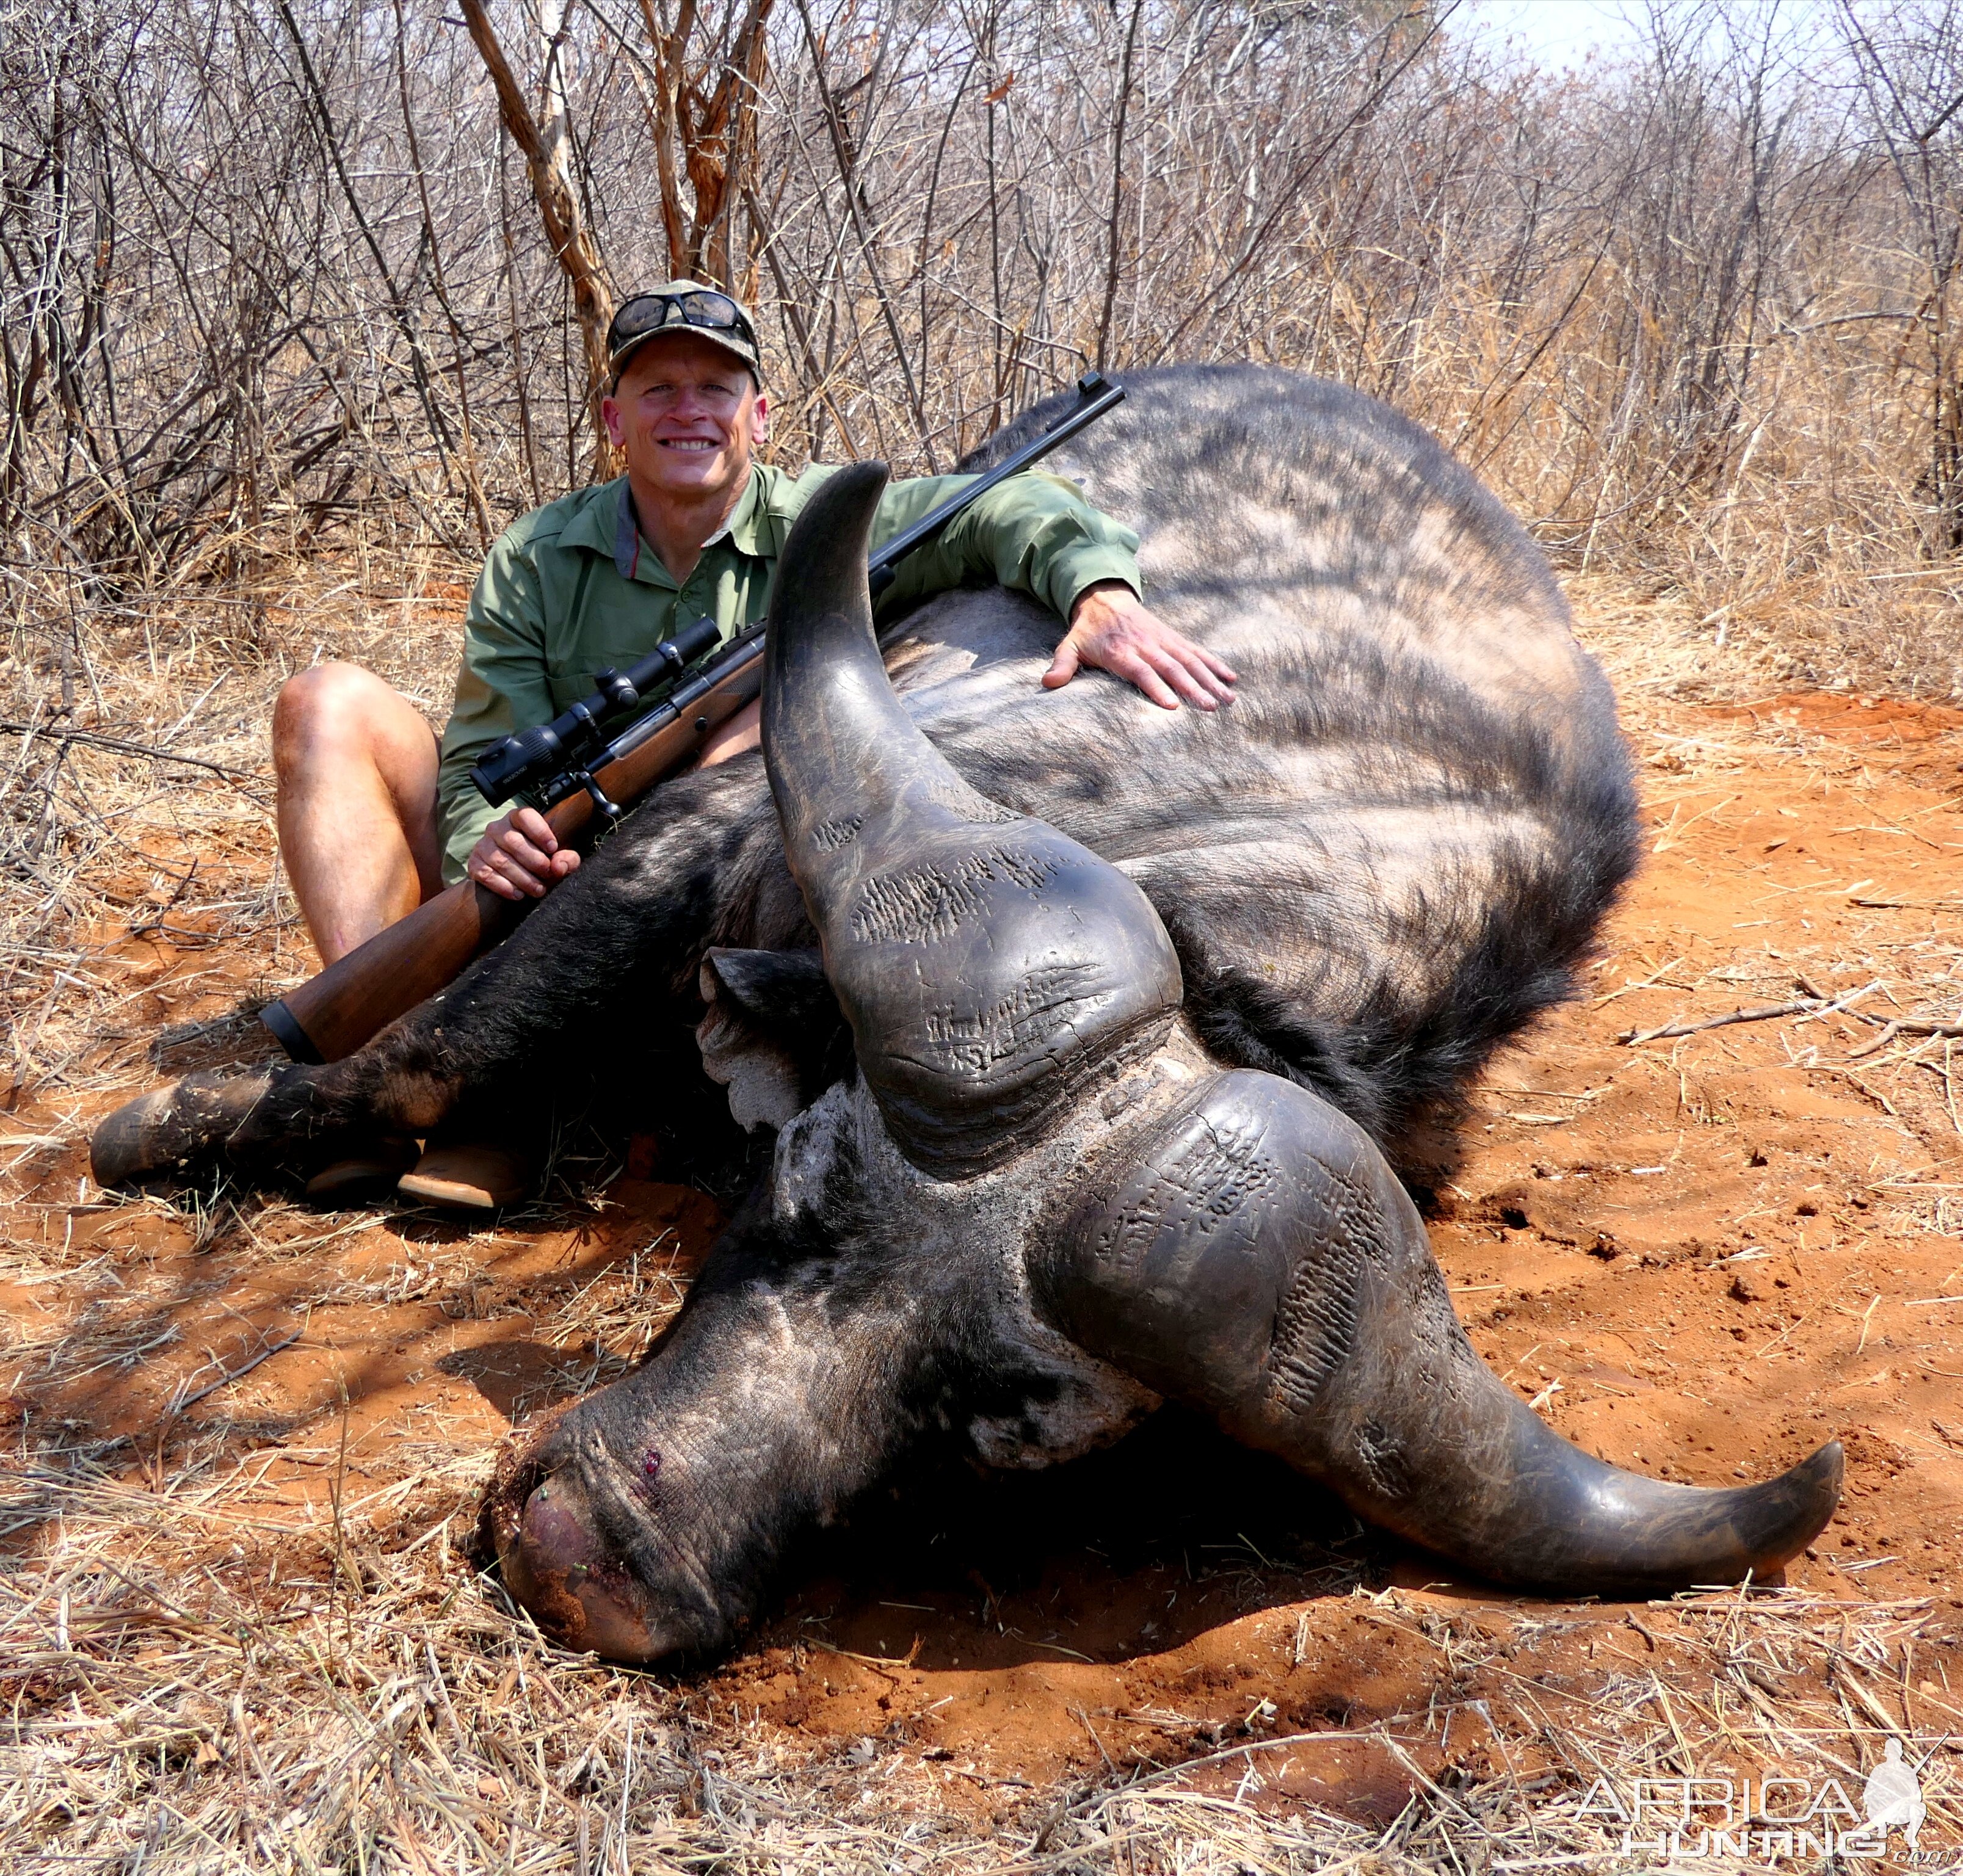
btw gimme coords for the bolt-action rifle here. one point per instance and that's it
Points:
(584, 769)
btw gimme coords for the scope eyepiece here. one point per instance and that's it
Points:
(507, 767)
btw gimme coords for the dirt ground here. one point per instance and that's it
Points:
(1699, 1255)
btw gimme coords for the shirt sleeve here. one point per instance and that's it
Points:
(501, 686)
(1034, 532)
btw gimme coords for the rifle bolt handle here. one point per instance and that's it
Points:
(611, 810)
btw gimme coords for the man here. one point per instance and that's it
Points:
(375, 816)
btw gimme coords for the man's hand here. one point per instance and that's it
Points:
(520, 856)
(1112, 629)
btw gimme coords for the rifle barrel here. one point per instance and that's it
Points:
(1096, 394)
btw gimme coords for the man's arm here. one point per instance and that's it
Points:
(1037, 534)
(501, 686)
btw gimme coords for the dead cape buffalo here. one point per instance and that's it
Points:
(1085, 1028)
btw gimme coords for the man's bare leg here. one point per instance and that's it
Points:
(357, 767)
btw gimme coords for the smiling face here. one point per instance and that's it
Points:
(686, 414)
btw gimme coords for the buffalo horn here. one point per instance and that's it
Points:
(1256, 1258)
(987, 966)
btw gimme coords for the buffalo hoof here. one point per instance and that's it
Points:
(171, 1130)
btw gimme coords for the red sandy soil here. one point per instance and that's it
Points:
(1699, 1256)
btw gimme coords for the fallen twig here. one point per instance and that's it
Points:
(1908, 1025)
(96, 740)
(1813, 990)
(1807, 1006)
(1764, 1015)
(265, 1354)
(1845, 1002)
(164, 910)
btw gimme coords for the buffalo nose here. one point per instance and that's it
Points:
(565, 1574)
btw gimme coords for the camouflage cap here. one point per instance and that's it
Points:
(706, 313)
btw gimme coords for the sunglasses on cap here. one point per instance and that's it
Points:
(703, 308)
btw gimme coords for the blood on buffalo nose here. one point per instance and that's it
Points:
(567, 1575)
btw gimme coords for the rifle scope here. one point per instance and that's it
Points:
(531, 756)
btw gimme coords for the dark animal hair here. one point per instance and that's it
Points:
(1388, 1006)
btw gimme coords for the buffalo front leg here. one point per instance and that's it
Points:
(616, 938)
(1257, 1259)
(286, 1119)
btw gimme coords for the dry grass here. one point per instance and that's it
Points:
(247, 1637)
(239, 1626)
(135, 783)
(338, 1691)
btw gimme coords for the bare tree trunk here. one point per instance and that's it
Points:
(545, 149)
(1112, 255)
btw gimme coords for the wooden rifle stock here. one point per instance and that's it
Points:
(332, 1015)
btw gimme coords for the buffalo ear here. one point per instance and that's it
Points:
(772, 1034)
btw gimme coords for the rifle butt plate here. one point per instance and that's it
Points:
(290, 1036)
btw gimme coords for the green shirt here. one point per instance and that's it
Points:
(572, 588)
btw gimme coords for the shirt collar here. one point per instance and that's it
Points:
(747, 529)
(607, 525)
(593, 522)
